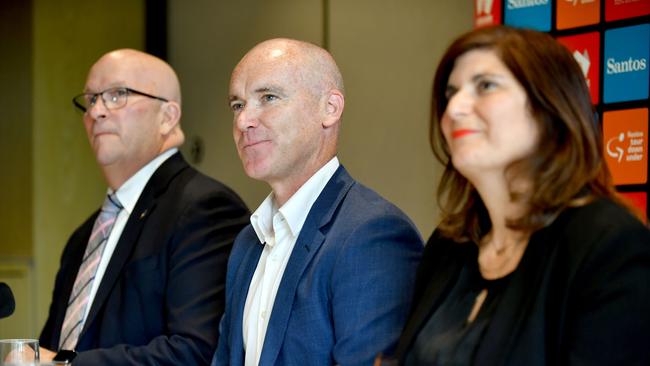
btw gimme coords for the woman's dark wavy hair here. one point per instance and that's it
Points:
(567, 167)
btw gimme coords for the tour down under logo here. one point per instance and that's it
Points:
(625, 137)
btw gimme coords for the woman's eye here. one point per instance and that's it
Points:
(449, 92)
(485, 85)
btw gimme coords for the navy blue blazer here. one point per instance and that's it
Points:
(162, 294)
(345, 291)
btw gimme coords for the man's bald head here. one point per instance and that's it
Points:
(147, 71)
(314, 65)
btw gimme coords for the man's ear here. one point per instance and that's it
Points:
(171, 116)
(334, 105)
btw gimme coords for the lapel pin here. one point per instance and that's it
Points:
(143, 214)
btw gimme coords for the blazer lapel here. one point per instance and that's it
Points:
(156, 185)
(447, 267)
(311, 237)
(241, 284)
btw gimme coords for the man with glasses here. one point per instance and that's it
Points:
(142, 280)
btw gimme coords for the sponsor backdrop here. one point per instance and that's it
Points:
(610, 40)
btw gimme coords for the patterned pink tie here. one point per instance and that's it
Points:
(74, 315)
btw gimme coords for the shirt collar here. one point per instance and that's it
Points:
(130, 191)
(296, 209)
(262, 218)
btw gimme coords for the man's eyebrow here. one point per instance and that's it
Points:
(113, 85)
(260, 90)
(270, 89)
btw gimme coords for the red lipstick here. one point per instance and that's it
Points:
(460, 133)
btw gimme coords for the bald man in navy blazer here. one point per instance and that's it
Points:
(324, 273)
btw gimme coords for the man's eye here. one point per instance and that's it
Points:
(269, 97)
(115, 95)
(236, 106)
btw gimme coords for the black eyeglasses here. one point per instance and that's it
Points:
(113, 98)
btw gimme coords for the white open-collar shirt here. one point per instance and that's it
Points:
(278, 229)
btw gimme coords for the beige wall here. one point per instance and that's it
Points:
(16, 128)
(206, 40)
(16, 152)
(69, 36)
(387, 51)
(57, 183)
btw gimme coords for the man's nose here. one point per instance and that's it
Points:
(246, 118)
(98, 110)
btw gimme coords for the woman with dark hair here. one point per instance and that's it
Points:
(535, 261)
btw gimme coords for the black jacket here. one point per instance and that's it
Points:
(580, 295)
(162, 294)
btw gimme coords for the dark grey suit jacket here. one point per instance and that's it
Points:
(162, 294)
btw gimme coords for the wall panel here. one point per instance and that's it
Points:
(387, 51)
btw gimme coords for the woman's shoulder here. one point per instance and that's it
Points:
(600, 216)
(603, 208)
(601, 228)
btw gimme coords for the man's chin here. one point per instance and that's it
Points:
(105, 159)
(256, 171)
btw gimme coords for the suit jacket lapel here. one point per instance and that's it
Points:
(441, 278)
(156, 185)
(311, 237)
(242, 282)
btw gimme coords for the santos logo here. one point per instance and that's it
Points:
(629, 65)
(575, 2)
(520, 4)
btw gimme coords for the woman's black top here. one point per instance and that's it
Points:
(448, 338)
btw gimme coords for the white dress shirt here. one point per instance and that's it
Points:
(128, 195)
(278, 228)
